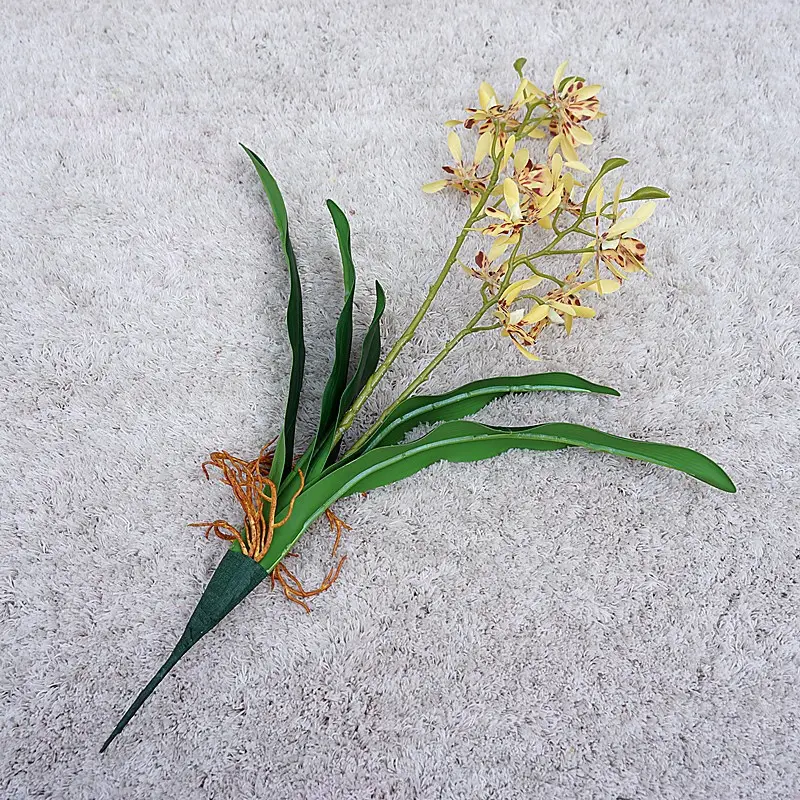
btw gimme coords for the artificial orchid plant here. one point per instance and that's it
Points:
(511, 194)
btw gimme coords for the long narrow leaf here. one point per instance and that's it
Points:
(337, 381)
(370, 353)
(313, 460)
(234, 578)
(284, 450)
(463, 441)
(367, 363)
(469, 399)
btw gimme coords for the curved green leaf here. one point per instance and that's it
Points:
(569, 79)
(337, 381)
(646, 193)
(608, 166)
(469, 399)
(470, 441)
(284, 450)
(322, 451)
(370, 353)
(367, 363)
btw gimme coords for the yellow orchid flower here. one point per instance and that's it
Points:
(486, 269)
(572, 104)
(491, 115)
(642, 214)
(560, 306)
(464, 177)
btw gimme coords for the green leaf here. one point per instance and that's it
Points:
(608, 166)
(646, 193)
(337, 381)
(322, 449)
(234, 578)
(367, 363)
(469, 399)
(463, 441)
(569, 79)
(370, 352)
(518, 65)
(284, 450)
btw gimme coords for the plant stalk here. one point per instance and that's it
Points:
(408, 333)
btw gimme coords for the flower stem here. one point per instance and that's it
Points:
(470, 327)
(408, 333)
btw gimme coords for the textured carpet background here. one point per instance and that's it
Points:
(562, 625)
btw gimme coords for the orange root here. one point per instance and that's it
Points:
(258, 497)
(256, 494)
(293, 589)
(337, 525)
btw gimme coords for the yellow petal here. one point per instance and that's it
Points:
(585, 259)
(536, 314)
(499, 247)
(568, 150)
(614, 271)
(497, 214)
(598, 199)
(622, 226)
(454, 144)
(595, 286)
(582, 136)
(452, 123)
(556, 166)
(537, 133)
(554, 316)
(568, 325)
(515, 317)
(511, 195)
(521, 91)
(546, 223)
(552, 201)
(434, 186)
(617, 195)
(644, 212)
(521, 158)
(577, 166)
(513, 291)
(525, 352)
(584, 311)
(553, 146)
(567, 309)
(508, 150)
(559, 74)
(486, 96)
(482, 147)
(587, 91)
(604, 286)
(534, 90)
(596, 189)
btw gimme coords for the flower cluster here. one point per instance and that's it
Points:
(509, 190)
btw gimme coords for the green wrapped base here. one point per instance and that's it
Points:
(235, 577)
